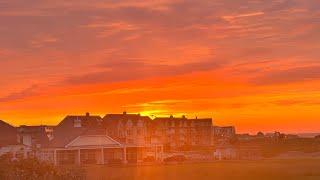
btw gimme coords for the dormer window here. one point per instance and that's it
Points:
(77, 123)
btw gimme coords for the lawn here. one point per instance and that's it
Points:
(264, 169)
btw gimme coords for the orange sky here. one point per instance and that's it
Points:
(252, 64)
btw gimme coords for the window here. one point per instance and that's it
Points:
(139, 132)
(129, 132)
(77, 123)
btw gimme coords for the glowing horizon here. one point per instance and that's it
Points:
(251, 64)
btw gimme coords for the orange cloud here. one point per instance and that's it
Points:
(253, 64)
(228, 18)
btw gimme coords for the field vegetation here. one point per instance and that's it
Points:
(288, 169)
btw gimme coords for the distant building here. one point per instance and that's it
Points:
(225, 153)
(224, 132)
(182, 133)
(246, 137)
(230, 152)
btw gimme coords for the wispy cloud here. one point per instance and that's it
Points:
(231, 17)
(291, 75)
(43, 40)
(30, 91)
(133, 69)
(239, 51)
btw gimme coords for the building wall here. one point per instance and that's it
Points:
(128, 132)
(183, 133)
(227, 131)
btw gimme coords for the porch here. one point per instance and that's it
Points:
(101, 149)
(108, 156)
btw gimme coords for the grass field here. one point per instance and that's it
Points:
(264, 169)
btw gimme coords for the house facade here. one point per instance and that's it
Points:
(85, 140)
(8, 134)
(224, 131)
(128, 128)
(34, 136)
(118, 139)
(183, 133)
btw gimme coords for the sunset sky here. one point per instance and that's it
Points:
(249, 63)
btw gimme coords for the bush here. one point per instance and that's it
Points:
(25, 169)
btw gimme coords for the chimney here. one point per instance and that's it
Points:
(124, 112)
(87, 114)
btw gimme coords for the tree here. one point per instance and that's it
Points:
(260, 134)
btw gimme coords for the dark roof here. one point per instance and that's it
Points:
(8, 134)
(161, 120)
(86, 120)
(65, 131)
(123, 118)
(4, 124)
(25, 128)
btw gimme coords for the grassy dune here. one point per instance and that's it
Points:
(264, 169)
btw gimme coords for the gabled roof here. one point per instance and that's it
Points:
(93, 141)
(123, 118)
(5, 124)
(87, 120)
(170, 119)
(8, 134)
(65, 131)
(160, 120)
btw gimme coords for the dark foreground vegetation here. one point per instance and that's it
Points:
(300, 168)
(288, 169)
(274, 148)
(32, 169)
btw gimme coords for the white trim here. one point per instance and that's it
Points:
(105, 136)
(66, 146)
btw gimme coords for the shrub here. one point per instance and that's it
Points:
(25, 169)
